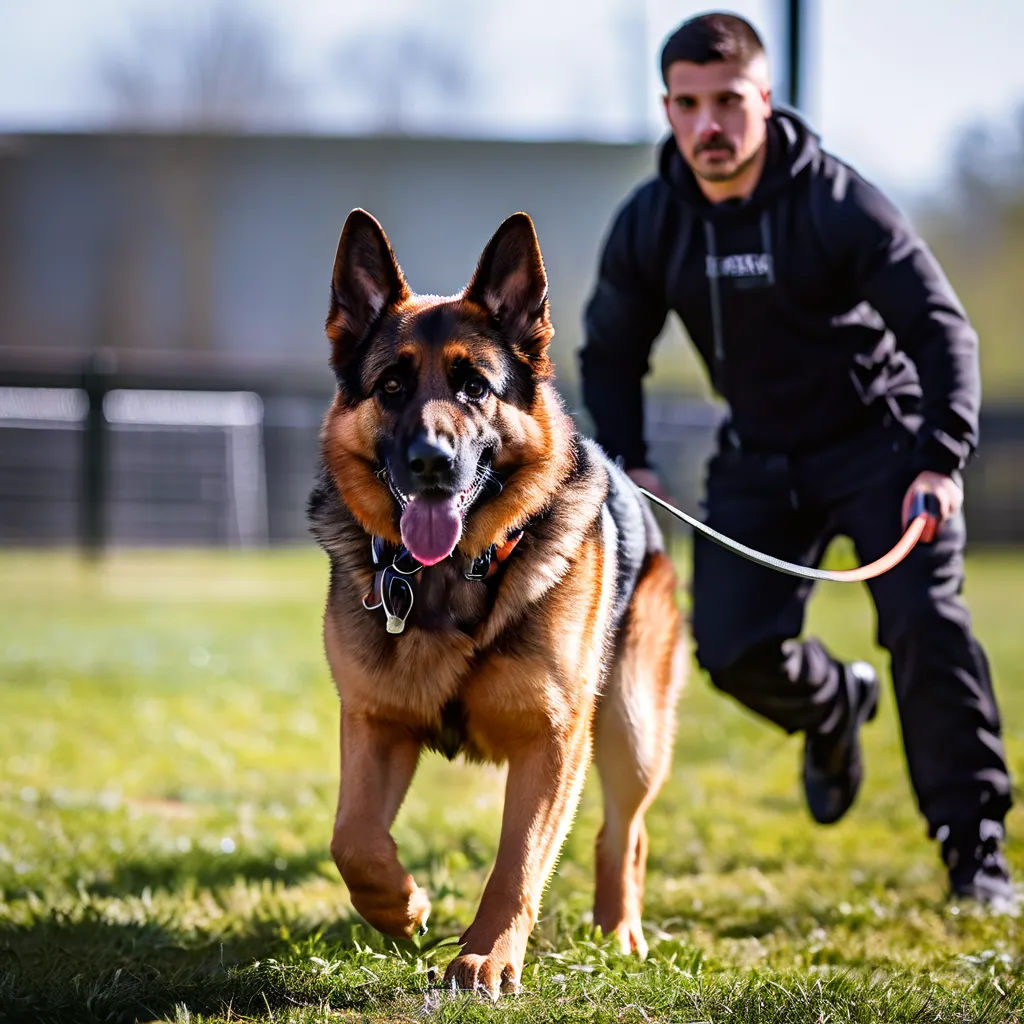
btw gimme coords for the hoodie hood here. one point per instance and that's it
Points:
(792, 148)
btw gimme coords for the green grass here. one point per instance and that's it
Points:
(168, 771)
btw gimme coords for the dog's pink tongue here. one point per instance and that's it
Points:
(431, 527)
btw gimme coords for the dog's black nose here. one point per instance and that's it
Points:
(429, 458)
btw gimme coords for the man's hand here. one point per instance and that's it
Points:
(945, 489)
(650, 481)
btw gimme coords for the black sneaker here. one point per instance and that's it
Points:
(977, 866)
(833, 766)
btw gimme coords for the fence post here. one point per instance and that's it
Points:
(794, 52)
(96, 381)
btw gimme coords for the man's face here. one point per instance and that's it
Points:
(717, 112)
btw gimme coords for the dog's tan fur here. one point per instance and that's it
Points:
(537, 673)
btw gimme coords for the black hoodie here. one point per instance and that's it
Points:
(815, 306)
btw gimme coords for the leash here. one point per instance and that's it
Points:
(925, 509)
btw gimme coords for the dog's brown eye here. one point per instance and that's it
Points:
(475, 389)
(391, 385)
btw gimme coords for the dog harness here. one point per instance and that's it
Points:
(392, 587)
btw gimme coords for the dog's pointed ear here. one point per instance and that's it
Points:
(511, 284)
(367, 280)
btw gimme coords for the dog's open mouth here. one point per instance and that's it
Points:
(431, 522)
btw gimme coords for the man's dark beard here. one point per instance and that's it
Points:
(729, 175)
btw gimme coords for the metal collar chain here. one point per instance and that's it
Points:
(482, 565)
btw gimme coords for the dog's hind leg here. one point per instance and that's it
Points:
(633, 747)
(378, 761)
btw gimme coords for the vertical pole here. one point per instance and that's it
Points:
(95, 437)
(794, 52)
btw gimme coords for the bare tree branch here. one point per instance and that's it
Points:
(392, 68)
(221, 72)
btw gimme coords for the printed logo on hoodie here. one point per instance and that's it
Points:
(746, 270)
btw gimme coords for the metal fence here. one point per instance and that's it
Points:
(137, 452)
(210, 453)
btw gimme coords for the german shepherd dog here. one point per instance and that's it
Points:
(498, 588)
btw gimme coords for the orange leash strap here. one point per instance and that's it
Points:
(924, 510)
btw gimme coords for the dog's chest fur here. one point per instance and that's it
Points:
(446, 600)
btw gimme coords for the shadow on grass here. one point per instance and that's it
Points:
(138, 961)
(123, 945)
(92, 970)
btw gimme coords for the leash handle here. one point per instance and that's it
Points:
(926, 503)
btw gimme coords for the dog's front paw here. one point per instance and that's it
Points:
(403, 914)
(631, 938)
(492, 974)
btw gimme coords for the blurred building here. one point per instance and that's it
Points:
(224, 244)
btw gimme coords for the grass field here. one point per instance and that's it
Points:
(168, 767)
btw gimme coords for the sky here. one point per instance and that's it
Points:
(891, 83)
